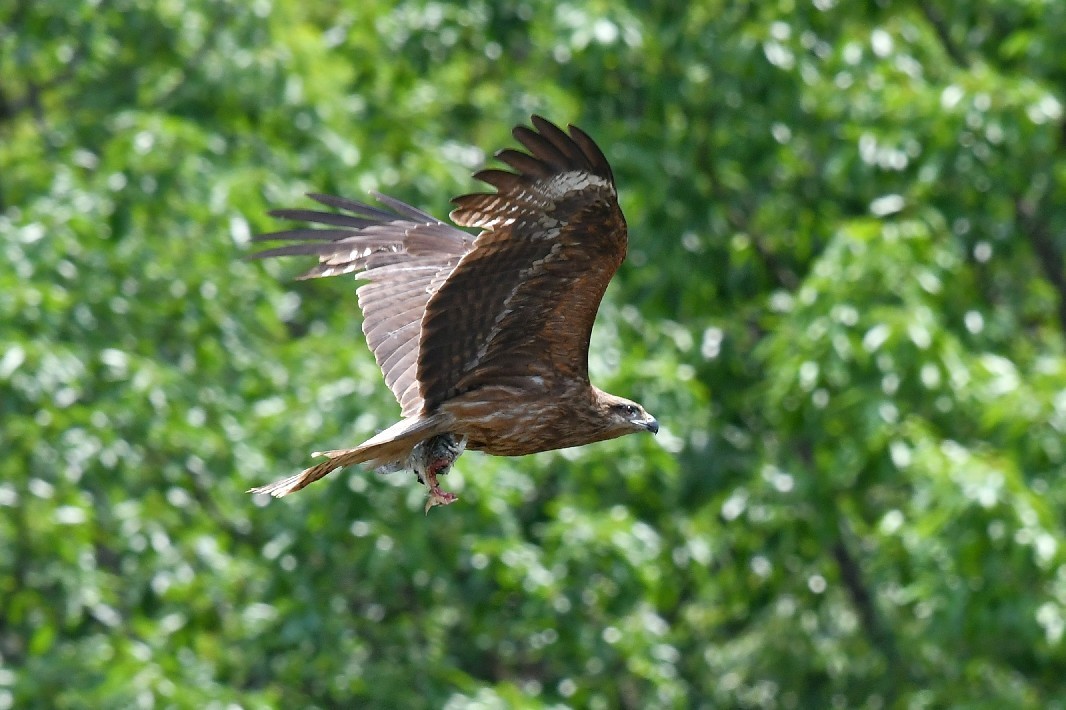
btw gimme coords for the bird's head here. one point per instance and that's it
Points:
(624, 416)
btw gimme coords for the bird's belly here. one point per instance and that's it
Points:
(513, 437)
(513, 421)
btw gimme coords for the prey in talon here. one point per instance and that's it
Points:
(434, 457)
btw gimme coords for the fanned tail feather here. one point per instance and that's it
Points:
(392, 446)
(338, 459)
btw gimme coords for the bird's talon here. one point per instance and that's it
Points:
(439, 497)
(436, 495)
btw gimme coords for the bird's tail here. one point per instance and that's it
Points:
(388, 448)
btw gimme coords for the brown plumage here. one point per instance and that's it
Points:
(483, 341)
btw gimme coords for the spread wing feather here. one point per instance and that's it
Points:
(523, 299)
(445, 313)
(404, 254)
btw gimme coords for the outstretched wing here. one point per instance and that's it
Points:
(405, 255)
(523, 300)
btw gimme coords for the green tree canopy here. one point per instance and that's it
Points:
(845, 301)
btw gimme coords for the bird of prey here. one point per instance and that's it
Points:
(482, 339)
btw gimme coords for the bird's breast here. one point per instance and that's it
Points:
(512, 422)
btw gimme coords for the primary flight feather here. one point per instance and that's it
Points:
(483, 340)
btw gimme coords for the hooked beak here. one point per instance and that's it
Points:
(652, 425)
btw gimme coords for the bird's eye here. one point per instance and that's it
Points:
(628, 409)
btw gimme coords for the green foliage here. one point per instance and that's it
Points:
(845, 301)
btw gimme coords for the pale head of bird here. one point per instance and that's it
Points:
(623, 416)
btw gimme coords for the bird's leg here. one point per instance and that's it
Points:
(436, 495)
(434, 457)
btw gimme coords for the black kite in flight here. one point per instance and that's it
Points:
(483, 340)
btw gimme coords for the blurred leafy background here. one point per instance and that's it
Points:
(845, 301)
